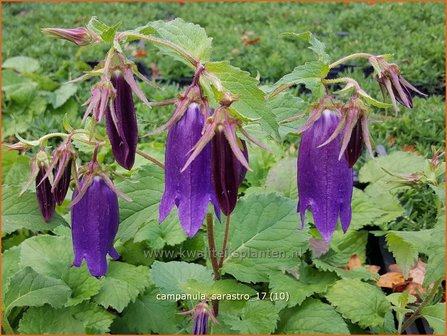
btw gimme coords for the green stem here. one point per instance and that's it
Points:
(224, 245)
(6, 326)
(348, 58)
(337, 80)
(150, 158)
(417, 312)
(165, 43)
(213, 257)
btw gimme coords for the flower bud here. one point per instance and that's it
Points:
(190, 190)
(355, 145)
(121, 123)
(227, 171)
(80, 36)
(45, 198)
(94, 224)
(60, 187)
(324, 181)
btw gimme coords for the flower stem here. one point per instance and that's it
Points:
(150, 158)
(417, 312)
(165, 43)
(337, 80)
(224, 245)
(6, 326)
(348, 58)
(213, 257)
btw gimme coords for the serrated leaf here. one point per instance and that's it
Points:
(361, 273)
(435, 316)
(95, 319)
(282, 178)
(171, 277)
(159, 235)
(149, 315)
(23, 212)
(19, 89)
(257, 317)
(343, 246)
(47, 320)
(258, 223)
(82, 284)
(405, 252)
(436, 254)
(309, 74)
(15, 168)
(189, 36)
(60, 96)
(34, 290)
(360, 302)
(250, 104)
(312, 317)
(122, 284)
(145, 188)
(310, 281)
(10, 266)
(315, 45)
(21, 64)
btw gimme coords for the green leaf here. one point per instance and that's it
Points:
(34, 290)
(149, 315)
(47, 320)
(257, 317)
(95, 319)
(10, 266)
(250, 104)
(145, 188)
(343, 246)
(106, 32)
(23, 212)
(436, 253)
(284, 106)
(21, 64)
(356, 273)
(62, 94)
(219, 289)
(158, 235)
(15, 168)
(310, 281)
(309, 74)
(82, 284)
(360, 302)
(405, 252)
(171, 277)
(122, 284)
(282, 178)
(189, 36)
(19, 89)
(258, 223)
(435, 316)
(315, 45)
(374, 102)
(312, 317)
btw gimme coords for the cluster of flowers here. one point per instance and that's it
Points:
(205, 159)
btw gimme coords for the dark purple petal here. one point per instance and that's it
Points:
(45, 199)
(94, 224)
(325, 182)
(201, 324)
(227, 172)
(61, 187)
(355, 145)
(191, 190)
(123, 132)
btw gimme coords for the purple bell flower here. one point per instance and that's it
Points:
(227, 171)
(324, 180)
(121, 123)
(60, 188)
(94, 223)
(190, 190)
(45, 198)
(201, 313)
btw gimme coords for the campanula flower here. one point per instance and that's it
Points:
(121, 123)
(80, 35)
(94, 224)
(201, 313)
(45, 198)
(190, 190)
(324, 180)
(227, 171)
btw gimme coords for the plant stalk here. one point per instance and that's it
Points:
(348, 58)
(213, 257)
(224, 245)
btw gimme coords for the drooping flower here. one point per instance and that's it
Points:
(94, 220)
(201, 313)
(390, 79)
(227, 171)
(45, 198)
(190, 190)
(325, 180)
(121, 123)
(80, 35)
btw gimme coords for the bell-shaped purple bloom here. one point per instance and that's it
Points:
(121, 123)
(60, 187)
(227, 171)
(45, 198)
(94, 224)
(324, 181)
(190, 190)
(355, 145)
